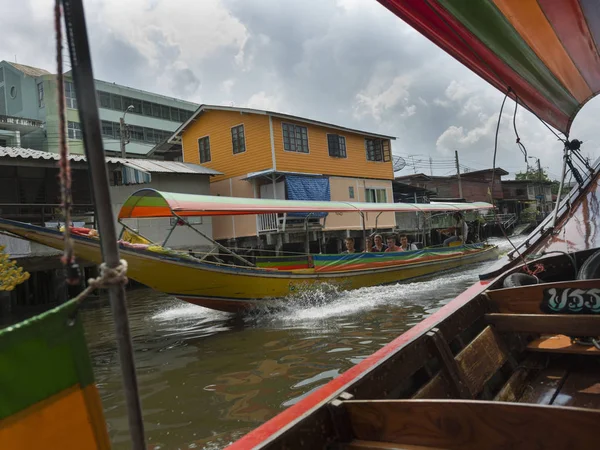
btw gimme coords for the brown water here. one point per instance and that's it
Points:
(206, 377)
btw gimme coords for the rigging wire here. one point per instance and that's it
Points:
(519, 143)
(509, 90)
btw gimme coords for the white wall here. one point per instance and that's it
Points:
(157, 229)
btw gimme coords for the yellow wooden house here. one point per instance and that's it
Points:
(265, 154)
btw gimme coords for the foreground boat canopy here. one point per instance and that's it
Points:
(152, 203)
(545, 51)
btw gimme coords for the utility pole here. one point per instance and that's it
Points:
(460, 193)
(430, 166)
(123, 133)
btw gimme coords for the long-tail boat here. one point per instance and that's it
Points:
(243, 284)
(514, 361)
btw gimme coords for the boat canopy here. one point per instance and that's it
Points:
(545, 51)
(152, 203)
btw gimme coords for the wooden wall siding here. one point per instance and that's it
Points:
(318, 159)
(217, 125)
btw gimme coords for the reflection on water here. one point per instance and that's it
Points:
(208, 377)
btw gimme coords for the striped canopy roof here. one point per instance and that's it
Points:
(151, 203)
(545, 51)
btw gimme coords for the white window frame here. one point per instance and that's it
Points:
(74, 131)
(70, 98)
(375, 198)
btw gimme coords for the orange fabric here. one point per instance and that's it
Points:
(529, 20)
(69, 420)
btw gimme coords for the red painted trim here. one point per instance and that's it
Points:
(570, 26)
(295, 413)
(431, 20)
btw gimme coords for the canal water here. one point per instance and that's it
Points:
(207, 377)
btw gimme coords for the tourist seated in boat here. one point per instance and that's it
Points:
(460, 230)
(379, 246)
(406, 246)
(349, 242)
(368, 245)
(391, 244)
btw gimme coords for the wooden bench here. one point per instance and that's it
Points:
(561, 344)
(527, 299)
(568, 324)
(469, 425)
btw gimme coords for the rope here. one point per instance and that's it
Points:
(68, 257)
(109, 276)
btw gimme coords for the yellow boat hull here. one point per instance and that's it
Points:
(230, 288)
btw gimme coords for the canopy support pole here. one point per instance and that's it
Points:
(170, 233)
(221, 247)
(562, 181)
(376, 219)
(364, 228)
(306, 237)
(132, 230)
(83, 79)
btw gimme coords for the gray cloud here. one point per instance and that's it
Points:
(350, 62)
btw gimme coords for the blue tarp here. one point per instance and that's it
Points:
(307, 188)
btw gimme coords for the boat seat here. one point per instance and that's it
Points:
(373, 445)
(469, 425)
(569, 324)
(561, 344)
(468, 372)
(528, 299)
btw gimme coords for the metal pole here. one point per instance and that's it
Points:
(460, 194)
(122, 137)
(90, 125)
(562, 180)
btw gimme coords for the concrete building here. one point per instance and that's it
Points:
(530, 200)
(29, 113)
(476, 185)
(29, 192)
(265, 154)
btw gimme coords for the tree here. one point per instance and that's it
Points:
(532, 174)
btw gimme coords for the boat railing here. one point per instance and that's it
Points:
(273, 222)
(267, 223)
(40, 214)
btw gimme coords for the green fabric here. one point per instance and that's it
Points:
(41, 357)
(488, 24)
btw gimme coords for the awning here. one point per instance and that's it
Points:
(546, 51)
(152, 203)
(308, 188)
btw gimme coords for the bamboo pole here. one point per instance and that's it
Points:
(85, 90)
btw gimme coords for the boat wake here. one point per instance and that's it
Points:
(328, 303)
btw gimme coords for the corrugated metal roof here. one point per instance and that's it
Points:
(204, 107)
(154, 166)
(29, 70)
(146, 165)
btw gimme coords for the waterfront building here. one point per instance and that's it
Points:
(29, 113)
(266, 154)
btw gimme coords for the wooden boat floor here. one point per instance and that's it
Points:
(569, 380)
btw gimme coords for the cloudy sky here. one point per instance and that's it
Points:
(350, 62)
